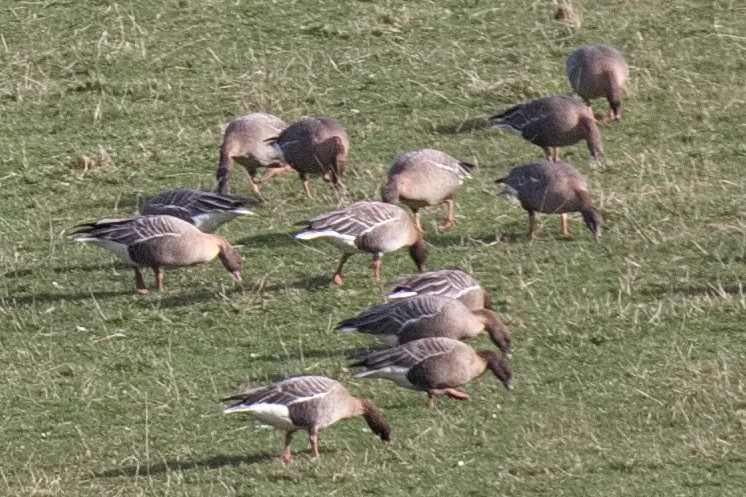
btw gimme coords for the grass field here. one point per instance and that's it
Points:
(629, 354)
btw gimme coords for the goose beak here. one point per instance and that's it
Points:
(237, 277)
(511, 387)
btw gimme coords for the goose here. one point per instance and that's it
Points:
(373, 227)
(425, 177)
(552, 122)
(436, 365)
(552, 188)
(452, 283)
(306, 403)
(598, 71)
(316, 145)
(425, 316)
(245, 141)
(205, 210)
(159, 242)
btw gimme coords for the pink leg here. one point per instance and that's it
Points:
(337, 278)
(313, 438)
(417, 220)
(287, 455)
(377, 267)
(158, 278)
(565, 225)
(456, 394)
(140, 283)
(430, 399)
(450, 217)
(532, 227)
(555, 154)
(307, 189)
(273, 171)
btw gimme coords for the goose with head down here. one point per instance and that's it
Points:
(425, 316)
(317, 145)
(159, 242)
(308, 403)
(246, 141)
(437, 365)
(598, 71)
(373, 227)
(425, 177)
(552, 122)
(552, 188)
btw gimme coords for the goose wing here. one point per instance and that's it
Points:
(392, 318)
(287, 392)
(408, 355)
(447, 282)
(188, 204)
(131, 231)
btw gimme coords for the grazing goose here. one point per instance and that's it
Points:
(598, 71)
(425, 316)
(425, 177)
(436, 365)
(552, 188)
(317, 145)
(306, 403)
(205, 210)
(246, 141)
(373, 227)
(446, 283)
(159, 242)
(552, 122)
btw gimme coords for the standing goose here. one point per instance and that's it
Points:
(373, 227)
(205, 210)
(425, 177)
(437, 365)
(552, 122)
(246, 141)
(426, 316)
(451, 283)
(598, 71)
(317, 145)
(159, 242)
(552, 188)
(306, 403)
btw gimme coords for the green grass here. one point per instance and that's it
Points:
(629, 355)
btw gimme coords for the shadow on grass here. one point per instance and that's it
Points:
(453, 240)
(659, 290)
(179, 466)
(267, 240)
(309, 283)
(466, 126)
(50, 298)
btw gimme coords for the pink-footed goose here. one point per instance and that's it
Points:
(425, 177)
(425, 316)
(159, 242)
(552, 188)
(246, 141)
(373, 227)
(317, 145)
(308, 403)
(598, 71)
(438, 366)
(552, 122)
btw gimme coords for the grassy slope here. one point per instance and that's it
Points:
(629, 355)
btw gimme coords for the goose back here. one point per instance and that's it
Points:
(317, 145)
(597, 71)
(548, 187)
(451, 283)
(424, 177)
(205, 210)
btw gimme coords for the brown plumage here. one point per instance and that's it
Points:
(425, 316)
(317, 145)
(552, 188)
(438, 366)
(425, 177)
(552, 122)
(452, 283)
(598, 71)
(159, 242)
(308, 403)
(373, 227)
(246, 141)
